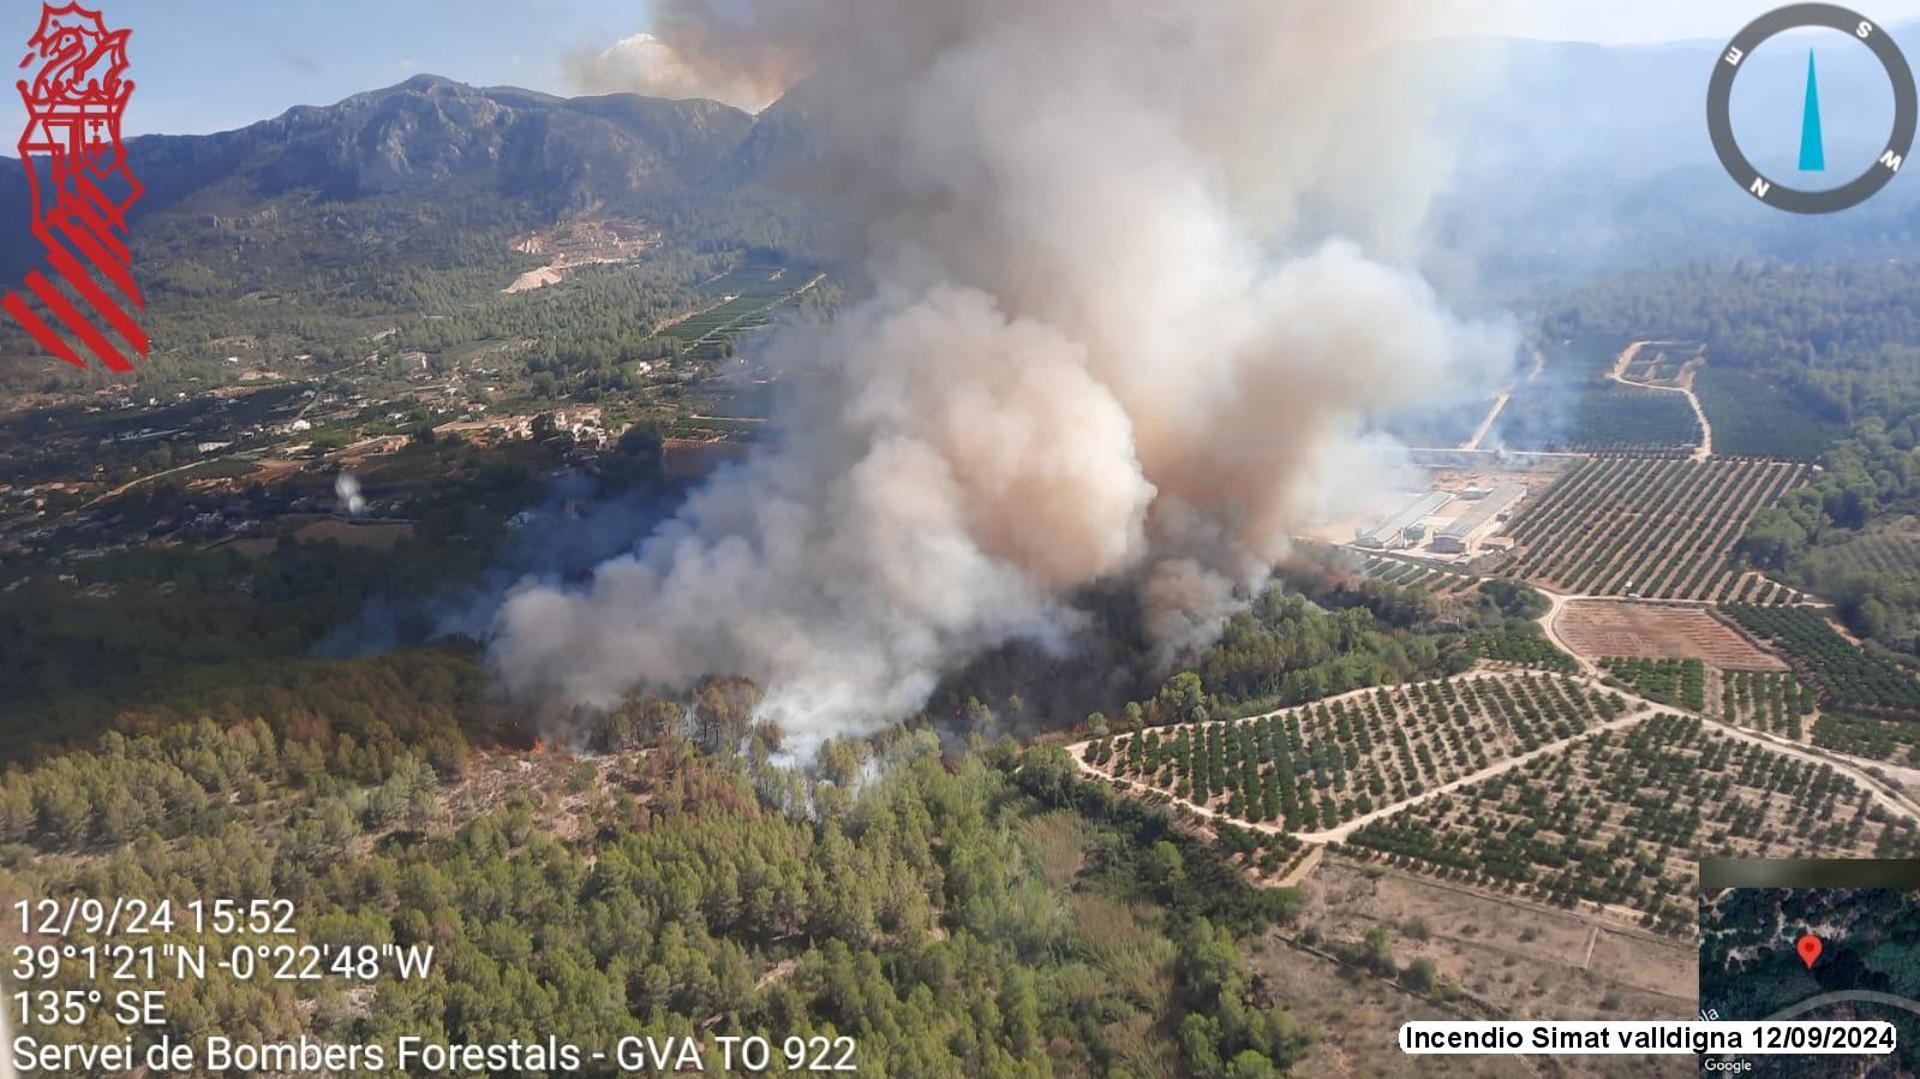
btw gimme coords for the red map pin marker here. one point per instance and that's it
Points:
(1809, 949)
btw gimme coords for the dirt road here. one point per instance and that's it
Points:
(1500, 402)
(1486, 424)
(1619, 374)
(1699, 413)
(1549, 624)
(149, 478)
(1341, 832)
(1638, 709)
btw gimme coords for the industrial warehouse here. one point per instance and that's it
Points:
(1405, 528)
(1489, 509)
(1458, 524)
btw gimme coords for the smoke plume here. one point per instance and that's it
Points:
(1139, 286)
(346, 493)
(643, 64)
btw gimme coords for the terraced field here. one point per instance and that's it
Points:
(1319, 765)
(746, 299)
(1658, 528)
(1401, 571)
(1598, 628)
(1662, 362)
(1621, 818)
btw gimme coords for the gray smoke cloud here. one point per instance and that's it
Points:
(1140, 286)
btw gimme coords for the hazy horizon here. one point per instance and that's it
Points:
(223, 65)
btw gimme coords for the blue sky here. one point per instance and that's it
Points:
(208, 65)
(1644, 21)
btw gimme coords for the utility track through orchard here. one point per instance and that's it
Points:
(1231, 766)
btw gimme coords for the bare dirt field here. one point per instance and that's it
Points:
(533, 279)
(1535, 479)
(1596, 628)
(379, 537)
(1525, 960)
(1358, 1019)
(583, 242)
(1472, 936)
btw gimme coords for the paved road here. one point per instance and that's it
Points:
(1842, 997)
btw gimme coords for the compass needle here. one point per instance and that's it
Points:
(1813, 155)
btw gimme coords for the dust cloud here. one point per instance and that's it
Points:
(1140, 285)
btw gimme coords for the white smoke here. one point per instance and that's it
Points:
(346, 493)
(1114, 335)
(643, 64)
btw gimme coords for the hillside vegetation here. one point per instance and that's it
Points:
(994, 918)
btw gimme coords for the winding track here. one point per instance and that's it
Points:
(1619, 374)
(1841, 997)
(1340, 832)
(1639, 709)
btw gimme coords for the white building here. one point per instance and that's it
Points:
(1460, 534)
(1392, 532)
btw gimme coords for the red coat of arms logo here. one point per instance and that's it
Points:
(82, 188)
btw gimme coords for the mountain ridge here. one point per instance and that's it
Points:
(432, 138)
(1580, 160)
